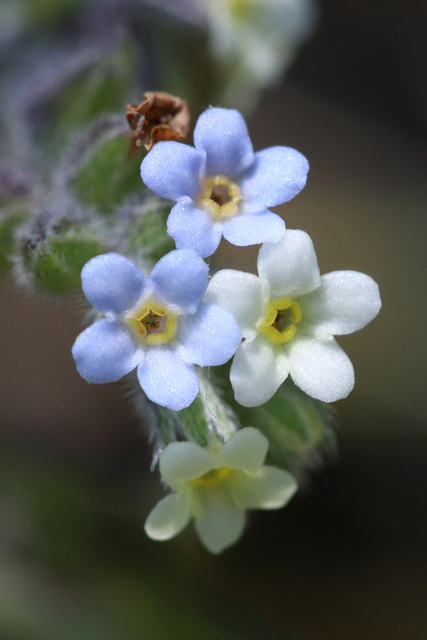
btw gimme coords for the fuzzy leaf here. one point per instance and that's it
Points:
(108, 175)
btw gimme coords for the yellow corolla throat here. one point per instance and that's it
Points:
(153, 322)
(212, 477)
(281, 319)
(220, 197)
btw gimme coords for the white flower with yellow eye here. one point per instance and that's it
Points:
(288, 317)
(215, 485)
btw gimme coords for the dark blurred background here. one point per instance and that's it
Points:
(347, 558)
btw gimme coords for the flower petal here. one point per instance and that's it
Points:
(169, 517)
(223, 134)
(245, 230)
(243, 294)
(321, 369)
(192, 228)
(245, 450)
(220, 523)
(210, 336)
(277, 175)
(173, 170)
(256, 372)
(105, 352)
(180, 278)
(346, 302)
(112, 283)
(290, 265)
(271, 489)
(168, 380)
(182, 461)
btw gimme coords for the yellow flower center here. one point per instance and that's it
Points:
(153, 323)
(242, 9)
(212, 477)
(281, 319)
(220, 197)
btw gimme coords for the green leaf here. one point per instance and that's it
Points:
(108, 175)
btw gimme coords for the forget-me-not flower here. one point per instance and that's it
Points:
(215, 485)
(156, 324)
(288, 317)
(221, 186)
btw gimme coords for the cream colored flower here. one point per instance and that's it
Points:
(215, 485)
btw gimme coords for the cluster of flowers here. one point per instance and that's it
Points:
(278, 323)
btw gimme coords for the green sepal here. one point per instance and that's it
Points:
(56, 264)
(298, 427)
(109, 174)
(207, 418)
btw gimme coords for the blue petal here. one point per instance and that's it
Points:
(105, 352)
(210, 336)
(173, 170)
(276, 176)
(223, 134)
(168, 380)
(192, 228)
(180, 278)
(254, 229)
(112, 283)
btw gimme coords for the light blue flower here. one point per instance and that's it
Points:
(156, 324)
(221, 186)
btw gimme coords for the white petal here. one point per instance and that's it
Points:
(220, 523)
(290, 265)
(245, 450)
(182, 461)
(169, 517)
(242, 294)
(346, 302)
(321, 369)
(256, 372)
(271, 489)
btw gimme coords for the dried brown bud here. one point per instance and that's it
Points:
(159, 117)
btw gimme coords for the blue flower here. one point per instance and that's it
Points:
(156, 324)
(221, 186)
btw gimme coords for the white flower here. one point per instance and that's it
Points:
(260, 35)
(288, 317)
(215, 485)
